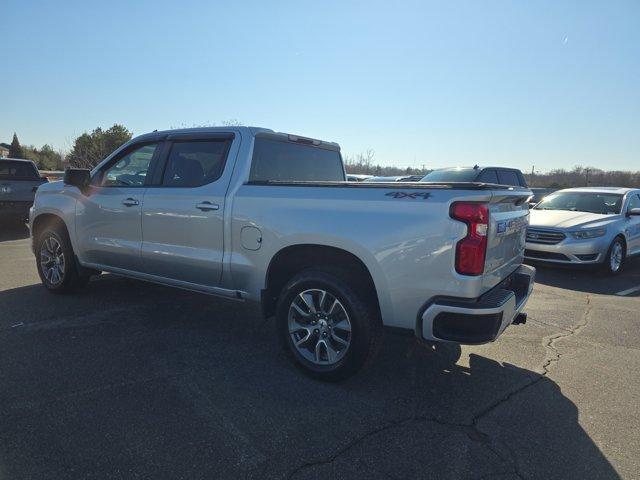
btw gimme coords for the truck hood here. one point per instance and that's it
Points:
(52, 186)
(568, 219)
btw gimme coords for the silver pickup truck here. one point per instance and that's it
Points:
(253, 215)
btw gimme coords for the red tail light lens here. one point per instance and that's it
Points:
(471, 250)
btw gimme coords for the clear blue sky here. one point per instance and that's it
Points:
(550, 84)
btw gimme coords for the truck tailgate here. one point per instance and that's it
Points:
(18, 190)
(508, 217)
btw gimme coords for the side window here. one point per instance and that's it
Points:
(129, 170)
(488, 176)
(195, 163)
(634, 201)
(508, 177)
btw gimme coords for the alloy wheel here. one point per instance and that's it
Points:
(319, 327)
(52, 260)
(615, 260)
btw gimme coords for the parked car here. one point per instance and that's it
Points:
(539, 194)
(253, 215)
(497, 175)
(393, 178)
(586, 226)
(356, 177)
(410, 178)
(19, 180)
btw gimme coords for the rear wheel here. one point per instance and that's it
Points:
(616, 255)
(56, 262)
(328, 328)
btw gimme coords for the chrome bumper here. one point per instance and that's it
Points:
(584, 252)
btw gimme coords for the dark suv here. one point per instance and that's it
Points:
(499, 175)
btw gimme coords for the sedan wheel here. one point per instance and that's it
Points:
(614, 260)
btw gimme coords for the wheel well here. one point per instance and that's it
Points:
(624, 242)
(44, 220)
(291, 260)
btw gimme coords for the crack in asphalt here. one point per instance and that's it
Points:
(549, 345)
(472, 429)
(353, 443)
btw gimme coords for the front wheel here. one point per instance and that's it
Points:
(328, 328)
(56, 262)
(616, 255)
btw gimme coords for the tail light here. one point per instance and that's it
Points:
(471, 250)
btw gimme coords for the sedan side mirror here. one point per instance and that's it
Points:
(634, 212)
(77, 177)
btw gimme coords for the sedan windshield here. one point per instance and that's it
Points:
(604, 203)
(451, 175)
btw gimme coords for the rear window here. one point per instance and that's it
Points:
(451, 175)
(286, 161)
(12, 170)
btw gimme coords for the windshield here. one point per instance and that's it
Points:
(604, 203)
(451, 175)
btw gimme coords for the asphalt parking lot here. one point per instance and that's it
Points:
(132, 380)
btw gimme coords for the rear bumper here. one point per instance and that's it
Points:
(14, 209)
(479, 320)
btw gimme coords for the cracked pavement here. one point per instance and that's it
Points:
(131, 380)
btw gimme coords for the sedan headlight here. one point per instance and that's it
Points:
(586, 234)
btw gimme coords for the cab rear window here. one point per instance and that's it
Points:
(17, 170)
(283, 161)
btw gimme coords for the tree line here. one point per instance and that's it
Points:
(46, 158)
(583, 177)
(92, 147)
(88, 149)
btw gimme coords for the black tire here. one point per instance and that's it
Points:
(71, 280)
(363, 315)
(607, 267)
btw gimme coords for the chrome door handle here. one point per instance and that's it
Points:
(130, 202)
(206, 206)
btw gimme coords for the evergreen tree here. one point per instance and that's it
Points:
(15, 151)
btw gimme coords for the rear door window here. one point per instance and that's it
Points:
(194, 163)
(508, 177)
(287, 161)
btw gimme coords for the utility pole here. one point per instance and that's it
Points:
(587, 172)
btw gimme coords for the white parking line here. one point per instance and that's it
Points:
(628, 291)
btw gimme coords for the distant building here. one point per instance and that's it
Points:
(4, 149)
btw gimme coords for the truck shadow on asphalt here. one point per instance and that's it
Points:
(135, 380)
(590, 280)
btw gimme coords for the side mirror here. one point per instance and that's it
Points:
(532, 204)
(78, 177)
(634, 212)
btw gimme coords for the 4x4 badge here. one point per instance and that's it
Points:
(414, 195)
